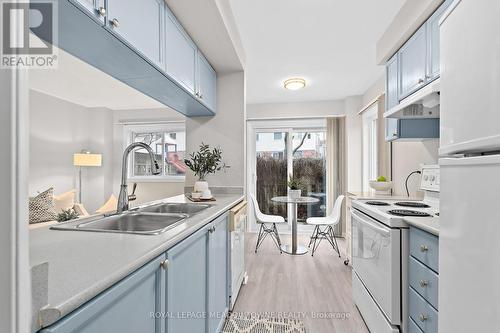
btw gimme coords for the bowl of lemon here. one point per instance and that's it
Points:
(381, 185)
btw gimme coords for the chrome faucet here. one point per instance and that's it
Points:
(123, 199)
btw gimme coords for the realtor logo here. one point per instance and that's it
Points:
(28, 34)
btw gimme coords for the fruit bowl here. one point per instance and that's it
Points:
(381, 186)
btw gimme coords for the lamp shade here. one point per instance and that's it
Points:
(84, 159)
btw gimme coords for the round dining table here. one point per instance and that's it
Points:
(294, 248)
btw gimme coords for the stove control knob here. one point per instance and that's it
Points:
(432, 178)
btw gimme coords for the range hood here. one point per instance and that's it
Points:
(422, 104)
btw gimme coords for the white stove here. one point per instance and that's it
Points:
(380, 249)
(392, 212)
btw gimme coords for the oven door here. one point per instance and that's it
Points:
(376, 259)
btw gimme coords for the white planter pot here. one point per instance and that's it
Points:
(200, 186)
(294, 194)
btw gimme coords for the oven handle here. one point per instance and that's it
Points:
(373, 225)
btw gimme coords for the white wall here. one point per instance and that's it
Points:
(225, 130)
(146, 191)
(408, 157)
(375, 90)
(353, 143)
(293, 110)
(58, 129)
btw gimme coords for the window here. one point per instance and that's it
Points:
(370, 160)
(278, 135)
(168, 142)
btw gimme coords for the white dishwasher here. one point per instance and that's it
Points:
(237, 226)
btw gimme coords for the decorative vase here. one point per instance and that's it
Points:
(294, 194)
(200, 186)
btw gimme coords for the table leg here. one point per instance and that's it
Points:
(294, 248)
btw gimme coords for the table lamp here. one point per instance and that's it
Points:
(85, 159)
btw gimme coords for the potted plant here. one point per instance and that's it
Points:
(203, 162)
(294, 184)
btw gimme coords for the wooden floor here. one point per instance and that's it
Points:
(315, 289)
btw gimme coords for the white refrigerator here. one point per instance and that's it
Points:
(469, 237)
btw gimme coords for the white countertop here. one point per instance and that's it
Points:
(429, 224)
(83, 264)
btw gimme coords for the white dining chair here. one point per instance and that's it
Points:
(267, 225)
(324, 227)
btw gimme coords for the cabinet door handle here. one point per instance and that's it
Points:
(423, 317)
(424, 248)
(115, 23)
(423, 283)
(420, 81)
(102, 11)
(164, 264)
(201, 96)
(211, 230)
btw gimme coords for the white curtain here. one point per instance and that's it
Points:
(335, 165)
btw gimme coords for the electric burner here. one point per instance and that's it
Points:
(377, 203)
(405, 212)
(412, 204)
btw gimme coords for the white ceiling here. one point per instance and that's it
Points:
(330, 43)
(78, 82)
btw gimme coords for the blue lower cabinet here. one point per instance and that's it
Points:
(127, 307)
(183, 291)
(413, 328)
(218, 297)
(423, 281)
(186, 298)
(422, 313)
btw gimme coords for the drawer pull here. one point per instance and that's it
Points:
(422, 317)
(423, 283)
(164, 264)
(424, 248)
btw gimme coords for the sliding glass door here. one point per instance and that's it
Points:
(309, 165)
(292, 151)
(271, 166)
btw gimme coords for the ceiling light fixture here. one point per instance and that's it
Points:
(294, 84)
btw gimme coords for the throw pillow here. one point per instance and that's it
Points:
(109, 206)
(64, 201)
(41, 207)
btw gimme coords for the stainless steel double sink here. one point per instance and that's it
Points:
(149, 220)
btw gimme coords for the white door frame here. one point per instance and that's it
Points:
(15, 281)
(273, 125)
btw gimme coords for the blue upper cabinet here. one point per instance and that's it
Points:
(127, 40)
(218, 297)
(418, 61)
(94, 8)
(181, 54)
(392, 91)
(187, 284)
(126, 307)
(140, 24)
(412, 63)
(206, 83)
(433, 57)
